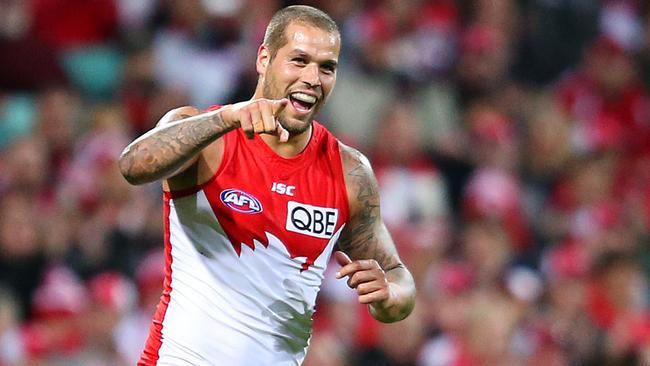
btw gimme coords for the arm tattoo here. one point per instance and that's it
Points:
(163, 150)
(365, 235)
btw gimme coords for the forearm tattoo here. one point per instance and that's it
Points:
(165, 149)
(365, 236)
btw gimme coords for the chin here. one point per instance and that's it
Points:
(296, 126)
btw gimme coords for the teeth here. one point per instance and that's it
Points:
(304, 97)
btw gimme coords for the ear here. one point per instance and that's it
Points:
(263, 59)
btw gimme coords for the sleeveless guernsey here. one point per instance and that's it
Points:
(245, 256)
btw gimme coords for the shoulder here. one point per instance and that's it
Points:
(204, 165)
(178, 114)
(353, 159)
(360, 181)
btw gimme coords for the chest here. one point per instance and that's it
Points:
(303, 208)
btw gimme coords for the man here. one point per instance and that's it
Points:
(256, 196)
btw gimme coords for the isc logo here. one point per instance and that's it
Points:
(319, 222)
(282, 188)
(241, 201)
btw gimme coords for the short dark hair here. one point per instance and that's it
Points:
(275, 37)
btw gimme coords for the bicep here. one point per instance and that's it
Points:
(186, 175)
(369, 240)
(365, 235)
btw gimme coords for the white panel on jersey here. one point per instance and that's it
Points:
(251, 309)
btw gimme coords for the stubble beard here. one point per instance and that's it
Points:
(294, 126)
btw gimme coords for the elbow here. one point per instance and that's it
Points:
(125, 163)
(400, 302)
(395, 313)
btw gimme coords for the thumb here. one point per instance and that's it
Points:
(341, 258)
(278, 105)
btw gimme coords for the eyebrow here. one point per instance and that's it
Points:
(301, 53)
(331, 63)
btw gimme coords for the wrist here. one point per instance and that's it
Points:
(223, 118)
(387, 303)
(397, 306)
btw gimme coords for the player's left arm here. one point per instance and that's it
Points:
(369, 258)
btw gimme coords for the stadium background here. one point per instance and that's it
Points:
(511, 140)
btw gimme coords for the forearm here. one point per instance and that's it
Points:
(401, 299)
(163, 150)
(387, 286)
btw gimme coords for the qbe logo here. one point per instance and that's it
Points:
(241, 201)
(315, 221)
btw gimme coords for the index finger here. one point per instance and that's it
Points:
(279, 105)
(356, 266)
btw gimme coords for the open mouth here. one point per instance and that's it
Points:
(302, 102)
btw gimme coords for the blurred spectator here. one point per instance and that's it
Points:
(112, 298)
(25, 168)
(11, 350)
(54, 335)
(138, 90)
(398, 343)
(80, 32)
(564, 320)
(618, 305)
(19, 43)
(555, 35)
(605, 100)
(621, 20)
(483, 62)
(488, 251)
(414, 202)
(59, 114)
(494, 191)
(325, 350)
(22, 260)
(67, 24)
(196, 53)
(131, 332)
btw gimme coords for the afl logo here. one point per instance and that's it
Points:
(241, 201)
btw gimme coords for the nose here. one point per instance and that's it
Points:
(310, 75)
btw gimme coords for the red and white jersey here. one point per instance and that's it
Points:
(245, 256)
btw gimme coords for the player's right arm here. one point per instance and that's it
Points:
(174, 145)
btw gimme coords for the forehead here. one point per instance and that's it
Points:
(313, 40)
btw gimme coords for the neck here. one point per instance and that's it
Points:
(291, 148)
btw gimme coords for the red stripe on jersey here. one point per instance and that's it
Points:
(149, 356)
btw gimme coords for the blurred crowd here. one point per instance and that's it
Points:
(510, 138)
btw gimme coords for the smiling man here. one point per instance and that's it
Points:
(257, 194)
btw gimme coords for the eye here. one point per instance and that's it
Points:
(328, 69)
(299, 60)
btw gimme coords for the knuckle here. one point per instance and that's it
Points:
(244, 115)
(371, 263)
(356, 276)
(355, 280)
